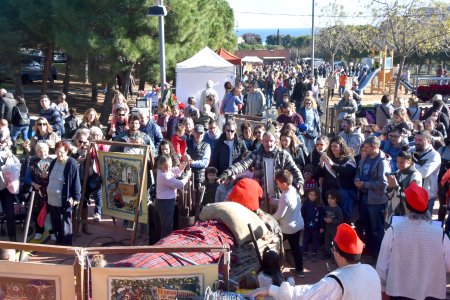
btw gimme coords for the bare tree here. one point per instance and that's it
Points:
(410, 26)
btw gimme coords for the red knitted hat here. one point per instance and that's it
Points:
(247, 192)
(416, 198)
(347, 240)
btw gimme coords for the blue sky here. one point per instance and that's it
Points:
(293, 13)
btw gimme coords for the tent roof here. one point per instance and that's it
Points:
(235, 60)
(254, 59)
(205, 58)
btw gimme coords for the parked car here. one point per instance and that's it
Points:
(31, 69)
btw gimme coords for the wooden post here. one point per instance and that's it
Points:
(87, 164)
(79, 275)
(141, 191)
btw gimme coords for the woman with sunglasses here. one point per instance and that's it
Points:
(43, 134)
(258, 133)
(90, 118)
(311, 117)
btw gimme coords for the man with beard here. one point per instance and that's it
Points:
(428, 162)
(275, 159)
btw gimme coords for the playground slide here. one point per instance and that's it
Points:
(408, 86)
(366, 79)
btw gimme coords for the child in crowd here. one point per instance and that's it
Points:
(224, 189)
(179, 140)
(71, 123)
(191, 110)
(333, 217)
(166, 191)
(5, 136)
(119, 101)
(210, 186)
(247, 282)
(270, 270)
(289, 217)
(119, 123)
(310, 181)
(312, 212)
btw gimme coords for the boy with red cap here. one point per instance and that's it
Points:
(415, 250)
(352, 280)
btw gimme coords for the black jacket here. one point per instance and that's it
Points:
(221, 153)
(20, 116)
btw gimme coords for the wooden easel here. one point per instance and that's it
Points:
(147, 153)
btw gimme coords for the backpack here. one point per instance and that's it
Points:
(23, 118)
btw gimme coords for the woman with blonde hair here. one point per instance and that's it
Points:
(119, 100)
(311, 119)
(43, 134)
(90, 119)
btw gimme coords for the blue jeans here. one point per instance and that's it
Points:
(165, 209)
(97, 198)
(430, 206)
(15, 133)
(341, 91)
(348, 198)
(372, 216)
(269, 98)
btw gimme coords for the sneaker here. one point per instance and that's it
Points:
(314, 257)
(300, 273)
(53, 237)
(97, 217)
(37, 236)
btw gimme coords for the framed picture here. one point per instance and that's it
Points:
(186, 282)
(122, 179)
(33, 281)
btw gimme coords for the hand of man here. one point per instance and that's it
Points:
(221, 179)
(264, 291)
(392, 181)
(359, 184)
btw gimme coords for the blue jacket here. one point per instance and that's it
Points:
(316, 121)
(154, 132)
(312, 215)
(230, 103)
(71, 184)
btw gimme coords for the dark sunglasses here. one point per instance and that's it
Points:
(83, 142)
(121, 115)
(42, 124)
(230, 131)
(319, 144)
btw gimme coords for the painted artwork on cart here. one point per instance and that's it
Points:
(121, 181)
(24, 281)
(187, 282)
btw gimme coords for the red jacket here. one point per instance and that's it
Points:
(179, 145)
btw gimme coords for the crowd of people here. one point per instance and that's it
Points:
(359, 177)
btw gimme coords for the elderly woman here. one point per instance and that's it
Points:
(43, 133)
(64, 191)
(37, 176)
(90, 118)
(311, 117)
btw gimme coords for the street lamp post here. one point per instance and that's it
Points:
(160, 11)
(312, 40)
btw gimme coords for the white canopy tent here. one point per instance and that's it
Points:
(193, 73)
(252, 59)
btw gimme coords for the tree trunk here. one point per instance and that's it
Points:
(94, 92)
(419, 69)
(86, 70)
(430, 65)
(399, 74)
(47, 64)
(107, 104)
(66, 81)
(141, 84)
(125, 75)
(332, 62)
(18, 85)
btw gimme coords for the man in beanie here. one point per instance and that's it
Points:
(416, 250)
(352, 280)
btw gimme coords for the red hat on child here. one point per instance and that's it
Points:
(347, 240)
(246, 192)
(416, 198)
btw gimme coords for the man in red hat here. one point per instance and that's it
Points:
(352, 280)
(416, 250)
